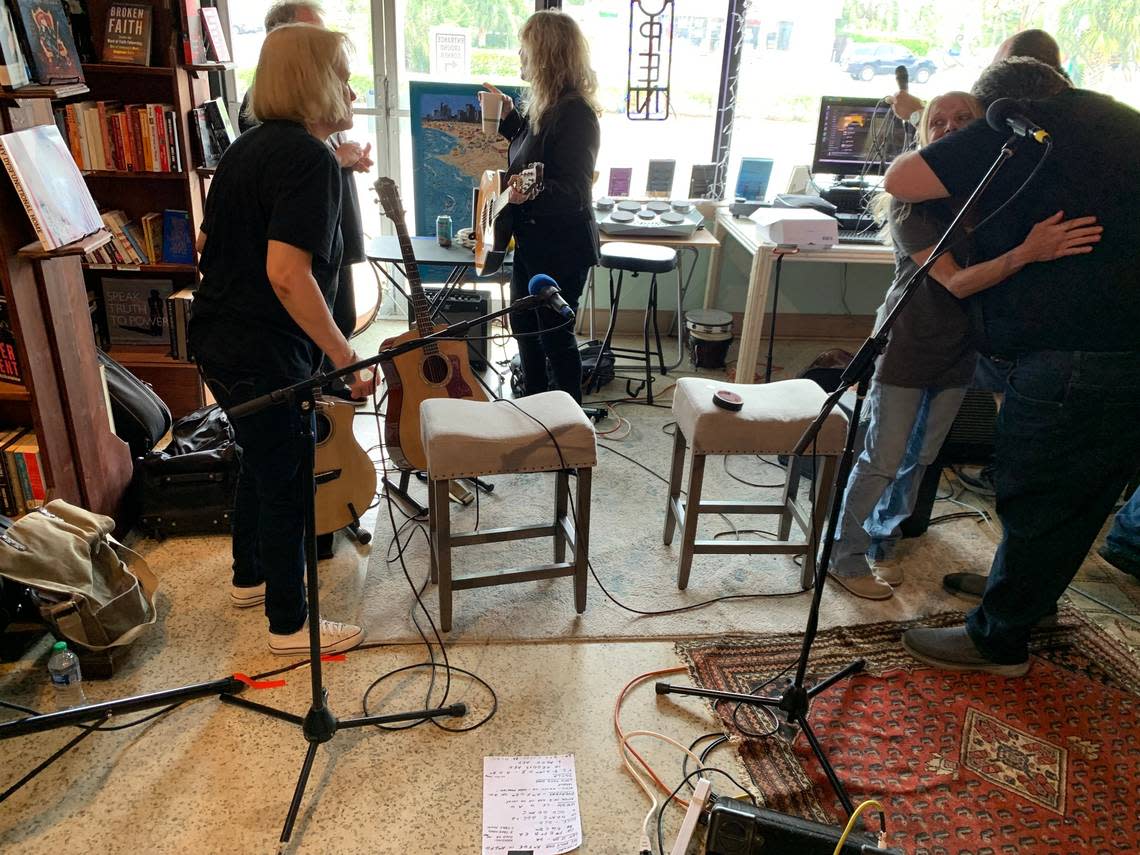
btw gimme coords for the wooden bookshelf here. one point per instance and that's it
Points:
(164, 81)
(136, 70)
(134, 176)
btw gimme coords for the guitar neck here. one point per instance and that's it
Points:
(420, 305)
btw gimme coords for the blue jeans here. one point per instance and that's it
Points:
(269, 517)
(896, 423)
(1066, 445)
(897, 502)
(1124, 536)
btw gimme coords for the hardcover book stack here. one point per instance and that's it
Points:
(110, 136)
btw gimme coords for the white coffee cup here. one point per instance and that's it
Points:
(491, 106)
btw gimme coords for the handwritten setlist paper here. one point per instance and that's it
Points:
(530, 804)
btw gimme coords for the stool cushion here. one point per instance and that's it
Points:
(774, 417)
(463, 439)
(638, 257)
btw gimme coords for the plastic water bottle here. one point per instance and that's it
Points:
(63, 666)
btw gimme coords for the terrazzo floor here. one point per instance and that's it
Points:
(210, 778)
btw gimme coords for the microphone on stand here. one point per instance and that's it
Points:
(546, 290)
(1006, 114)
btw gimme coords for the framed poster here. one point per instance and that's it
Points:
(449, 155)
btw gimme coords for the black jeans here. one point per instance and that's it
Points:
(269, 518)
(1067, 442)
(542, 334)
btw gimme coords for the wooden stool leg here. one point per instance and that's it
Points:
(791, 488)
(433, 535)
(692, 514)
(561, 493)
(582, 538)
(441, 493)
(676, 470)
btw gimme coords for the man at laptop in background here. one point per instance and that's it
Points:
(1066, 435)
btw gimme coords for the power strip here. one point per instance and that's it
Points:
(692, 815)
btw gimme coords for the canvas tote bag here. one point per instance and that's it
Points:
(90, 588)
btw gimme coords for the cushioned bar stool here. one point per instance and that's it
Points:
(465, 439)
(773, 419)
(635, 258)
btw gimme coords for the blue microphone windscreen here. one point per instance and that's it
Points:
(540, 281)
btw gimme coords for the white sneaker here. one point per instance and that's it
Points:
(888, 570)
(335, 638)
(243, 598)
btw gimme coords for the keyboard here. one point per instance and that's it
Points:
(863, 236)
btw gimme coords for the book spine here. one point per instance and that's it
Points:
(160, 135)
(105, 135)
(72, 135)
(19, 503)
(25, 483)
(172, 139)
(25, 200)
(33, 465)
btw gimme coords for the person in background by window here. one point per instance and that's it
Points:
(555, 232)
(270, 250)
(923, 374)
(352, 158)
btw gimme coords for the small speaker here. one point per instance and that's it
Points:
(462, 305)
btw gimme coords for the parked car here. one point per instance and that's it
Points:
(867, 60)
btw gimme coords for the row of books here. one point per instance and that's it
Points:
(211, 132)
(178, 307)
(22, 486)
(155, 239)
(106, 135)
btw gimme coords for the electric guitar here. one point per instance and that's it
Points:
(345, 475)
(492, 231)
(437, 370)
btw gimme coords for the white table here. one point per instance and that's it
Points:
(764, 255)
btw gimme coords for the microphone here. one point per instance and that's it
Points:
(546, 289)
(1006, 114)
(902, 77)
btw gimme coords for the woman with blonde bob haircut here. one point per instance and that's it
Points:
(300, 77)
(922, 376)
(271, 249)
(555, 232)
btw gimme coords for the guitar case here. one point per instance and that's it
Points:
(189, 487)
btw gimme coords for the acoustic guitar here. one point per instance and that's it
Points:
(345, 475)
(492, 230)
(440, 369)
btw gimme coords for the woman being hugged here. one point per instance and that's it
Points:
(922, 376)
(555, 232)
(270, 254)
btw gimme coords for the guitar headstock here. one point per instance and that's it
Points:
(389, 195)
(529, 180)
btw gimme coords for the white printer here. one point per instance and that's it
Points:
(804, 227)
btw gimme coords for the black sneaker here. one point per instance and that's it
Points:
(982, 483)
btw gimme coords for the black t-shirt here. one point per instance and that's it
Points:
(929, 344)
(1083, 302)
(276, 182)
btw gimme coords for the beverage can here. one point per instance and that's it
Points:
(443, 230)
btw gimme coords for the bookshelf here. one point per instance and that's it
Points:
(165, 81)
(62, 395)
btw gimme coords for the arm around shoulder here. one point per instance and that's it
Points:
(910, 179)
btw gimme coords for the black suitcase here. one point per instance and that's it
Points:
(189, 488)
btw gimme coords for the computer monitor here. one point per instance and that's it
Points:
(752, 182)
(858, 136)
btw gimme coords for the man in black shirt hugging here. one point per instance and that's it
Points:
(1067, 437)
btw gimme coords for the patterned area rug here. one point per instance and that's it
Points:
(970, 763)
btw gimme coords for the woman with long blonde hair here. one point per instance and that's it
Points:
(922, 376)
(555, 232)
